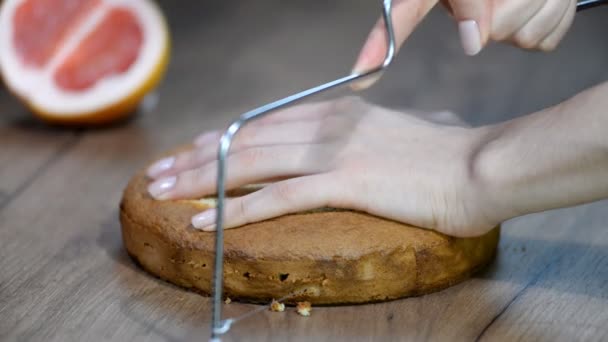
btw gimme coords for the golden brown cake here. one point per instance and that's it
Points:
(323, 256)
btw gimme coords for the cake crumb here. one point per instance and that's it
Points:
(325, 282)
(276, 306)
(228, 300)
(303, 308)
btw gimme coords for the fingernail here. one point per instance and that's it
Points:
(204, 220)
(160, 166)
(160, 187)
(470, 38)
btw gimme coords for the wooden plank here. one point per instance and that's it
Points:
(66, 277)
(567, 298)
(26, 147)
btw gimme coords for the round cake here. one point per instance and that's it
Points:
(325, 256)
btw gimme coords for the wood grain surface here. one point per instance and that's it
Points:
(64, 275)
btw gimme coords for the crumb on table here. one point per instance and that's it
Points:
(276, 306)
(228, 300)
(304, 308)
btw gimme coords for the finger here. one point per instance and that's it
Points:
(206, 138)
(541, 24)
(282, 198)
(550, 42)
(288, 133)
(249, 166)
(406, 15)
(473, 18)
(509, 16)
(446, 118)
(304, 112)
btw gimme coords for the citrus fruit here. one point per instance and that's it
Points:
(82, 61)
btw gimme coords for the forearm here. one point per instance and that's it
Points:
(554, 158)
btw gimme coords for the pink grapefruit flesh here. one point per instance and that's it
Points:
(110, 49)
(40, 26)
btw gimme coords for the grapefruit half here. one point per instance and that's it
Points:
(82, 61)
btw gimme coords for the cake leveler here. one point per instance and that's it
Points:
(220, 326)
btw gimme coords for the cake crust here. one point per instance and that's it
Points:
(323, 257)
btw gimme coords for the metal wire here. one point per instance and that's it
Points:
(220, 327)
(586, 4)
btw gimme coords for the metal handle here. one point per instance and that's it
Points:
(586, 4)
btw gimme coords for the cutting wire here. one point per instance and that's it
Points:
(218, 326)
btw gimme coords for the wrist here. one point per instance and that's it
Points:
(551, 159)
(488, 174)
(490, 166)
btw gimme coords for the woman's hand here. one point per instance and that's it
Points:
(404, 166)
(528, 24)
(342, 154)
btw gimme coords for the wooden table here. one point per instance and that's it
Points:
(65, 275)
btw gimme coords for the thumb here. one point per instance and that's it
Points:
(405, 16)
(473, 18)
(277, 199)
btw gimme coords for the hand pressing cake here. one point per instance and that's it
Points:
(325, 256)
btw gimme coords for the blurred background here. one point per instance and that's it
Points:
(229, 56)
(241, 52)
